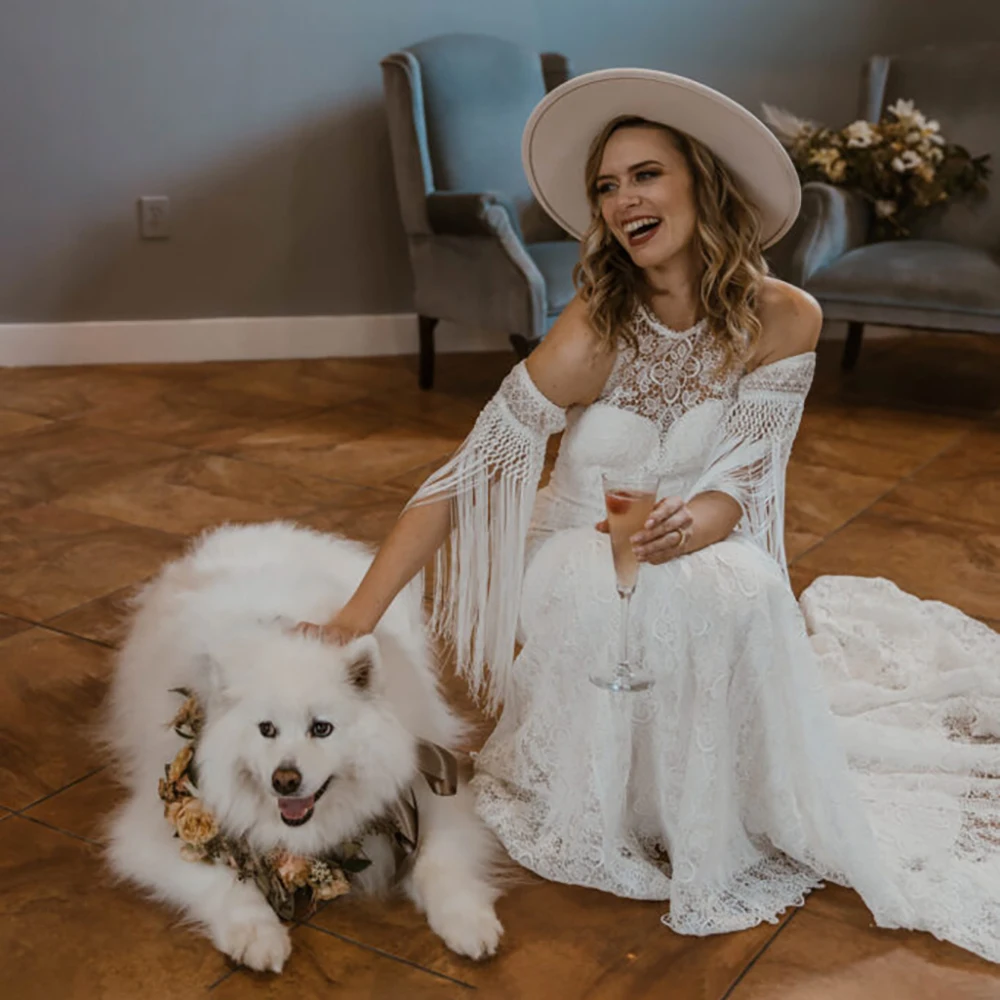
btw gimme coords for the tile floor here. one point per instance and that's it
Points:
(104, 473)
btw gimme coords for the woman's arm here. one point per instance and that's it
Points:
(569, 367)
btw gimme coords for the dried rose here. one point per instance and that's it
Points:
(172, 810)
(188, 716)
(332, 887)
(180, 763)
(195, 824)
(292, 869)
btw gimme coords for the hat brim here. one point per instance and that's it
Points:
(559, 133)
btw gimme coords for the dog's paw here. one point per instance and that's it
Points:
(468, 927)
(260, 944)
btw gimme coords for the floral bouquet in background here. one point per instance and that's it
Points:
(901, 164)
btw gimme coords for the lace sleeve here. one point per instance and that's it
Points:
(750, 455)
(491, 482)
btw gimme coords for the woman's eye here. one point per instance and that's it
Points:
(603, 188)
(320, 729)
(268, 730)
(645, 175)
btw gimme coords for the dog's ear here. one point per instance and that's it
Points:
(214, 682)
(362, 661)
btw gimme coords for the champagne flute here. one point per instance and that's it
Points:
(628, 500)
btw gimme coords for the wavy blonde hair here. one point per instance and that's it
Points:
(727, 238)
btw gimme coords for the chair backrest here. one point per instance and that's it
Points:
(474, 94)
(960, 87)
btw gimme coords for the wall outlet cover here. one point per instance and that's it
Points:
(154, 217)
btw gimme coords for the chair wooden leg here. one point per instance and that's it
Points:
(426, 376)
(855, 334)
(522, 345)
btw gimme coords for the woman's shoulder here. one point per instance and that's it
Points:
(571, 364)
(791, 321)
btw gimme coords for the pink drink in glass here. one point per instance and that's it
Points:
(627, 512)
(628, 501)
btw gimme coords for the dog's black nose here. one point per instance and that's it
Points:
(286, 780)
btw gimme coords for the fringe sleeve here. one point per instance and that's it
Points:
(750, 456)
(491, 481)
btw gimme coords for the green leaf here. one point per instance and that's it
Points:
(355, 865)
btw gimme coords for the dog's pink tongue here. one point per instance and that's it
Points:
(296, 808)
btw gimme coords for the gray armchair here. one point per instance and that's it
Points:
(948, 276)
(483, 252)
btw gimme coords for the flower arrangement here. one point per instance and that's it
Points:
(901, 164)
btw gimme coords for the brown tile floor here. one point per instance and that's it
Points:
(105, 471)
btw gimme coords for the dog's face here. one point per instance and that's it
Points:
(298, 734)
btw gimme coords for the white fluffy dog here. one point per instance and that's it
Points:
(302, 743)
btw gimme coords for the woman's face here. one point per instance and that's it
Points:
(645, 192)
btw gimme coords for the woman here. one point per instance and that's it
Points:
(730, 787)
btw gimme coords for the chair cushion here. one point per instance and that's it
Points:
(916, 274)
(556, 260)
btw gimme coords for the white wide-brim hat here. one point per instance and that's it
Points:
(562, 127)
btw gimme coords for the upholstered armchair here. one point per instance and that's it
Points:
(482, 251)
(948, 276)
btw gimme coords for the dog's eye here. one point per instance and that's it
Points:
(268, 730)
(320, 729)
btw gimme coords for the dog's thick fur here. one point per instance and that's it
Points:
(218, 622)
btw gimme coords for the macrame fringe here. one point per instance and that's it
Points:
(491, 483)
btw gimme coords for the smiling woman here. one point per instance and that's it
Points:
(664, 209)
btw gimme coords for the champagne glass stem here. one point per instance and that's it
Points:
(624, 664)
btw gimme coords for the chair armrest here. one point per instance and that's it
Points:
(832, 221)
(461, 213)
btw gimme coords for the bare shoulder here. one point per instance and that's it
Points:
(570, 366)
(791, 320)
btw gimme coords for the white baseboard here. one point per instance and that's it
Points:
(228, 339)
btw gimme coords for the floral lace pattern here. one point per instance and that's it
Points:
(669, 373)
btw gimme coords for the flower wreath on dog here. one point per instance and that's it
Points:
(284, 878)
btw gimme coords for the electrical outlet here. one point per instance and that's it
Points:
(154, 217)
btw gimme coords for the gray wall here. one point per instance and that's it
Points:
(262, 120)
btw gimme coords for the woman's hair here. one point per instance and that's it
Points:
(727, 238)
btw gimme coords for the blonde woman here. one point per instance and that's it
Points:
(847, 737)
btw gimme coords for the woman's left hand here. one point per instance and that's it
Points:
(666, 532)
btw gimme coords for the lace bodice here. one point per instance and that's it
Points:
(658, 411)
(669, 373)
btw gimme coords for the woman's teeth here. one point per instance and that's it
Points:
(640, 230)
(637, 224)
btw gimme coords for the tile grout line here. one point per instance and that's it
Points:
(49, 627)
(388, 954)
(74, 635)
(59, 791)
(753, 961)
(895, 486)
(226, 975)
(59, 829)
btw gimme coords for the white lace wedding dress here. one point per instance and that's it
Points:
(853, 736)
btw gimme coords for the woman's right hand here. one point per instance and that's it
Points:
(332, 631)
